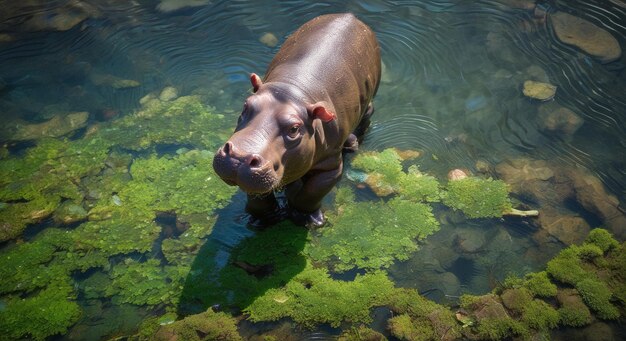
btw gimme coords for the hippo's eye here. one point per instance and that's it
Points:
(294, 130)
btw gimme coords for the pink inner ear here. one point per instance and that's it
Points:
(256, 81)
(323, 114)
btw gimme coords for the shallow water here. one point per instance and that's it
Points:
(451, 89)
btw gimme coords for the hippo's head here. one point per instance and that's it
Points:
(274, 142)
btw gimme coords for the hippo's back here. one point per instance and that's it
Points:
(332, 57)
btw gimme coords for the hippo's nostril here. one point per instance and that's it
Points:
(228, 147)
(254, 161)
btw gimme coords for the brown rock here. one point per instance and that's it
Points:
(516, 299)
(568, 229)
(519, 4)
(590, 38)
(538, 90)
(57, 126)
(560, 120)
(591, 194)
(407, 154)
(488, 306)
(521, 170)
(469, 240)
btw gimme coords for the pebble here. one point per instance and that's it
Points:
(538, 90)
(269, 39)
(168, 93)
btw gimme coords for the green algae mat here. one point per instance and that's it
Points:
(102, 197)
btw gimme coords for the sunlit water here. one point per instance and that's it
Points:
(452, 89)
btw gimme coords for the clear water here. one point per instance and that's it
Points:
(452, 89)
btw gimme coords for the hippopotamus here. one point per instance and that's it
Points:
(313, 103)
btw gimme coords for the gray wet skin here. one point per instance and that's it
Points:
(316, 93)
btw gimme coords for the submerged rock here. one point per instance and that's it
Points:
(55, 127)
(269, 39)
(569, 229)
(457, 174)
(167, 94)
(539, 90)
(69, 212)
(590, 38)
(469, 241)
(112, 81)
(591, 194)
(174, 5)
(519, 4)
(44, 16)
(560, 120)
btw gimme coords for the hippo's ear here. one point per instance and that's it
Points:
(318, 110)
(256, 81)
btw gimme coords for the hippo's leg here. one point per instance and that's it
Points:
(305, 196)
(264, 210)
(352, 143)
(365, 122)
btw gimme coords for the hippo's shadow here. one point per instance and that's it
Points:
(232, 274)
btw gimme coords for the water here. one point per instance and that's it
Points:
(451, 89)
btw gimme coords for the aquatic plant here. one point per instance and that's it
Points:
(478, 198)
(602, 239)
(597, 296)
(372, 235)
(539, 284)
(143, 283)
(48, 312)
(492, 321)
(405, 328)
(184, 121)
(578, 266)
(539, 315)
(492, 328)
(361, 333)
(386, 176)
(419, 318)
(207, 326)
(312, 297)
(573, 311)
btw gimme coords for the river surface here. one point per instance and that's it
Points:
(452, 89)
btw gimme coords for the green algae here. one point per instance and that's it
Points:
(419, 318)
(183, 121)
(90, 178)
(361, 333)
(539, 315)
(144, 283)
(478, 198)
(312, 297)
(500, 328)
(207, 326)
(50, 311)
(580, 266)
(602, 239)
(372, 235)
(597, 296)
(386, 176)
(573, 311)
(269, 259)
(185, 183)
(540, 285)
(404, 328)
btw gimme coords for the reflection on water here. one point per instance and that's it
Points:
(452, 88)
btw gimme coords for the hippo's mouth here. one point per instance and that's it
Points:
(257, 180)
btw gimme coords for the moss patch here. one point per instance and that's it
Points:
(372, 235)
(48, 312)
(478, 198)
(312, 297)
